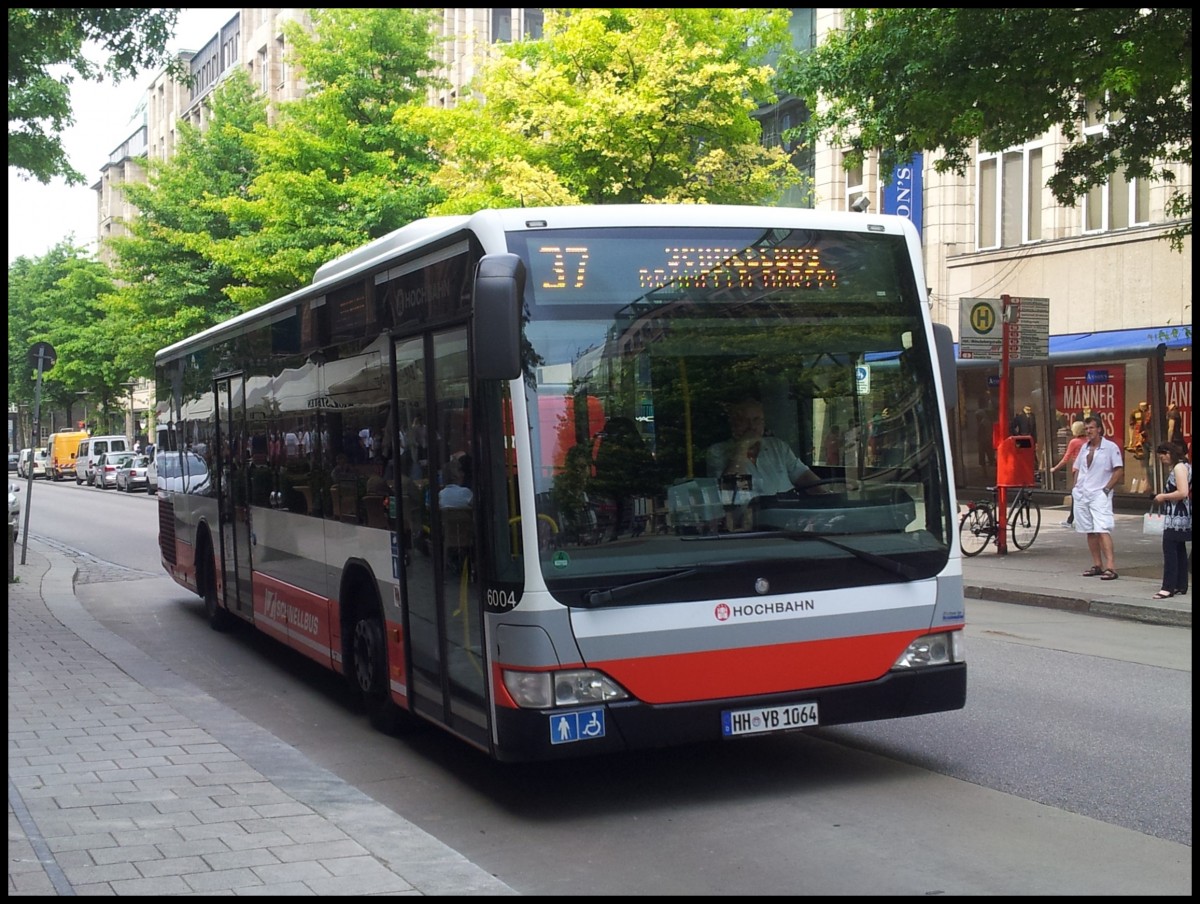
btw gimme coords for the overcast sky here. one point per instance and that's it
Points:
(40, 216)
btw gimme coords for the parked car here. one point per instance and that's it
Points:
(41, 459)
(134, 474)
(14, 507)
(104, 473)
(14, 461)
(182, 472)
(32, 460)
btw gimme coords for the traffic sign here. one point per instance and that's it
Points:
(982, 328)
(42, 356)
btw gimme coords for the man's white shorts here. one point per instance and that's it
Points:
(1094, 513)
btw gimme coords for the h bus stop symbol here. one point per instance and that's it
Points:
(576, 726)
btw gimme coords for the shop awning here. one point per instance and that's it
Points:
(1145, 340)
(1123, 340)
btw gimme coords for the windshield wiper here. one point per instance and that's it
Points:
(889, 565)
(623, 591)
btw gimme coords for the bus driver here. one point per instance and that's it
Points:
(756, 464)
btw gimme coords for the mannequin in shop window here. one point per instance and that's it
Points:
(1024, 424)
(1137, 446)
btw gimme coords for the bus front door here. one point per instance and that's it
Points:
(233, 498)
(443, 612)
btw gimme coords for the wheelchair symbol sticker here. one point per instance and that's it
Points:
(576, 726)
(862, 379)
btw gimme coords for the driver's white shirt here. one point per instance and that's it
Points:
(775, 470)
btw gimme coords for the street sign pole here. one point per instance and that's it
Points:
(1005, 379)
(41, 357)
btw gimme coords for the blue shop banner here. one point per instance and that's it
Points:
(903, 195)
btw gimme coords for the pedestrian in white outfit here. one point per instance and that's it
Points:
(1099, 468)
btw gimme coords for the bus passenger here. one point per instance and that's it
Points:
(454, 495)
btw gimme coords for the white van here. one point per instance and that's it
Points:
(92, 448)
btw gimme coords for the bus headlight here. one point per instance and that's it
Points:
(941, 648)
(537, 690)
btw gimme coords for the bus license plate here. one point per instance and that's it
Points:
(768, 718)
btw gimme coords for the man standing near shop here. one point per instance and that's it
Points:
(1099, 469)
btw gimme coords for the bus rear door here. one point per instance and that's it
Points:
(233, 499)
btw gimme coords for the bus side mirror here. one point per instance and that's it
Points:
(496, 327)
(943, 342)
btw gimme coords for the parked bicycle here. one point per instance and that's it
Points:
(980, 525)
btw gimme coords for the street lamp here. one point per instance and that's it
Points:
(83, 394)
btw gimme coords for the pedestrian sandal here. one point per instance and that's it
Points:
(1109, 575)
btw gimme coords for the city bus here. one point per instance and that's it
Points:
(470, 468)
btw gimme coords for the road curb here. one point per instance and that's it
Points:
(1147, 614)
(1150, 615)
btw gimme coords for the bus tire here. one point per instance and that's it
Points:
(219, 618)
(368, 673)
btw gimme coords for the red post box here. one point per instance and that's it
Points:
(1014, 462)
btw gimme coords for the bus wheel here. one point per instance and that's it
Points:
(219, 618)
(369, 674)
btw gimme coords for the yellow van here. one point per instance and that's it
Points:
(63, 446)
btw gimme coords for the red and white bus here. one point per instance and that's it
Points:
(471, 468)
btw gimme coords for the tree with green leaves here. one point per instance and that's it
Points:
(617, 106)
(173, 282)
(337, 169)
(903, 81)
(47, 52)
(57, 298)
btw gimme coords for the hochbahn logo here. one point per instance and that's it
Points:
(724, 611)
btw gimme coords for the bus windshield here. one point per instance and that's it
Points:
(701, 396)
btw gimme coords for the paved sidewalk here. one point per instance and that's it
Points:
(123, 779)
(1050, 573)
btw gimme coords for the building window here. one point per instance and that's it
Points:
(1010, 186)
(854, 183)
(532, 30)
(501, 25)
(1035, 184)
(279, 50)
(263, 71)
(1120, 202)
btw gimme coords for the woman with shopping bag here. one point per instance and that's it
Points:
(1176, 502)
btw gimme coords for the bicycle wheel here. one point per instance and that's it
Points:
(974, 531)
(1025, 519)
